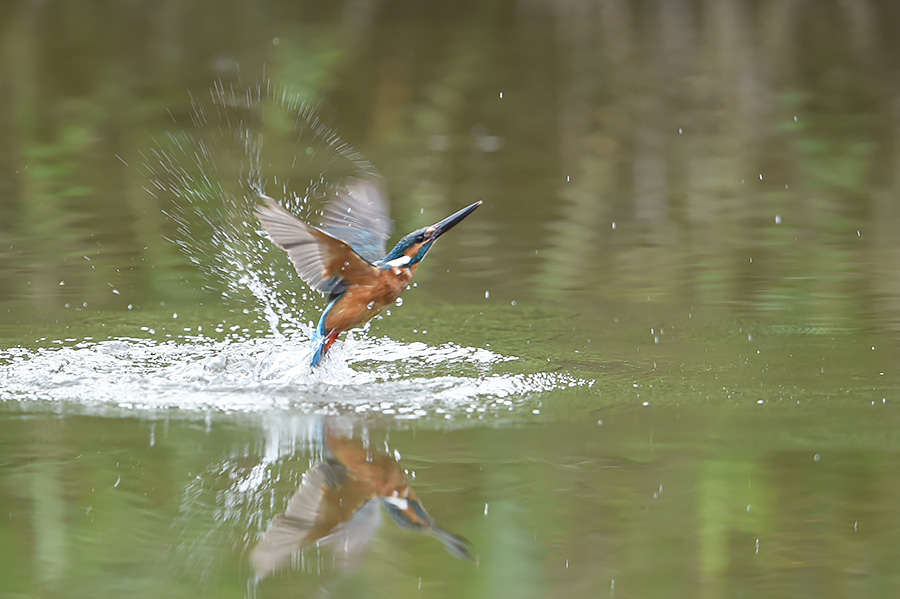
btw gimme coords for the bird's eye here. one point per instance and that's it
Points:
(420, 238)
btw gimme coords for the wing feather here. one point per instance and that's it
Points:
(328, 508)
(295, 528)
(321, 260)
(359, 217)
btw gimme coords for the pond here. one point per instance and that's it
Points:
(659, 360)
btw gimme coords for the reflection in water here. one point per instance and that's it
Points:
(337, 508)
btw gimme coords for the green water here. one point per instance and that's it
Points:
(659, 361)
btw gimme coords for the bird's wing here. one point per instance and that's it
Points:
(329, 508)
(351, 538)
(291, 530)
(359, 217)
(320, 259)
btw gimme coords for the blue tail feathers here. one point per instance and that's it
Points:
(320, 336)
(318, 343)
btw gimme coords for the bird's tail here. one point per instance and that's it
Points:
(323, 338)
(321, 341)
(319, 345)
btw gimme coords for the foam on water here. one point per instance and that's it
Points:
(404, 380)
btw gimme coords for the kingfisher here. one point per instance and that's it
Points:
(338, 507)
(345, 257)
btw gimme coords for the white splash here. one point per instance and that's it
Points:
(271, 373)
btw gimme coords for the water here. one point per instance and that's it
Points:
(660, 360)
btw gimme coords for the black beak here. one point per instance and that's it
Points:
(438, 229)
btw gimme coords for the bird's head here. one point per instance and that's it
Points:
(410, 250)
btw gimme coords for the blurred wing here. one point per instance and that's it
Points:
(321, 260)
(295, 528)
(359, 216)
(350, 539)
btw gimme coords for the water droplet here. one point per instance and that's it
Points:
(777, 219)
(487, 294)
(371, 305)
(399, 301)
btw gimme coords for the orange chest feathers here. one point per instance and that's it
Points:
(361, 302)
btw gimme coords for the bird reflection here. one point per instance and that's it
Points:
(337, 508)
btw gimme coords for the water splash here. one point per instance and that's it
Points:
(272, 373)
(241, 142)
(209, 175)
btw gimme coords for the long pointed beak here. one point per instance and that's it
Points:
(438, 229)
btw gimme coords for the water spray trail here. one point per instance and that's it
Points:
(239, 142)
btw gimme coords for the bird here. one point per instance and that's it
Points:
(345, 257)
(337, 507)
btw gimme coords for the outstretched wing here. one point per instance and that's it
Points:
(329, 508)
(291, 531)
(359, 217)
(321, 260)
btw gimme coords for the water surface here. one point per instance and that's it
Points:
(659, 361)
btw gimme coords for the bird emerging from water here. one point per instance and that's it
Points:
(346, 258)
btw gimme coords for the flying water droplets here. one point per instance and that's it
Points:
(211, 175)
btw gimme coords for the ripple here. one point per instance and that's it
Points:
(401, 380)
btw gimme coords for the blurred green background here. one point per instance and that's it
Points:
(691, 212)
